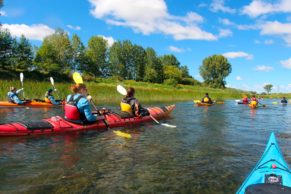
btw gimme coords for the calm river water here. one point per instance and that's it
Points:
(212, 150)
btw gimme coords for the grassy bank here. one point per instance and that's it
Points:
(104, 92)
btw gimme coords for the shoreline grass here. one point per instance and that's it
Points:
(104, 92)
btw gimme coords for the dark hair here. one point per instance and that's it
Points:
(206, 94)
(76, 88)
(49, 90)
(130, 92)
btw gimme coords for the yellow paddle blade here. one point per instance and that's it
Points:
(196, 101)
(77, 78)
(122, 134)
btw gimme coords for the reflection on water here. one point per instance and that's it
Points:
(211, 151)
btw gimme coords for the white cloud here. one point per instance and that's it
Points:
(218, 5)
(176, 49)
(286, 63)
(3, 13)
(226, 22)
(150, 16)
(259, 7)
(224, 33)
(277, 28)
(240, 54)
(268, 42)
(33, 32)
(74, 27)
(264, 68)
(238, 78)
(110, 40)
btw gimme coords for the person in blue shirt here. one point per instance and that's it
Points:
(50, 98)
(77, 107)
(284, 100)
(13, 96)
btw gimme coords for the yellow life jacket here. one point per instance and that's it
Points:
(125, 107)
(254, 103)
(206, 99)
(46, 99)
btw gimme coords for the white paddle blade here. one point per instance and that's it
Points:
(168, 125)
(52, 81)
(121, 90)
(237, 100)
(21, 77)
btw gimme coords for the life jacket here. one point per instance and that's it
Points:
(253, 99)
(245, 100)
(72, 112)
(128, 105)
(254, 103)
(206, 99)
(46, 99)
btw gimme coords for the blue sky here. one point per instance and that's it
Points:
(255, 35)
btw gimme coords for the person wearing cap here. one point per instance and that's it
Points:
(206, 99)
(12, 96)
(49, 98)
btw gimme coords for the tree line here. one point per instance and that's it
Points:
(60, 54)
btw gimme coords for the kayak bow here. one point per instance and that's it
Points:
(271, 170)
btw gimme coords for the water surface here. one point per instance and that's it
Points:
(212, 150)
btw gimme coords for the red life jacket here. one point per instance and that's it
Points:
(254, 99)
(71, 110)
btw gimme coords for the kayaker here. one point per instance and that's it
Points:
(49, 98)
(284, 100)
(206, 99)
(131, 105)
(13, 96)
(245, 99)
(77, 107)
(254, 101)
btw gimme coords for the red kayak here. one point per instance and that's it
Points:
(57, 124)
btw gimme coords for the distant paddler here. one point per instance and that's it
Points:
(206, 99)
(49, 98)
(12, 96)
(254, 102)
(245, 99)
(284, 100)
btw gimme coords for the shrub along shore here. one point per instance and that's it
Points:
(104, 91)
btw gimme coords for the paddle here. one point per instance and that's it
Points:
(121, 90)
(21, 80)
(53, 84)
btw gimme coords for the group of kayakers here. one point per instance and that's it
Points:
(253, 101)
(77, 107)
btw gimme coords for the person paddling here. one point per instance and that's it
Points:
(13, 96)
(245, 99)
(49, 98)
(131, 105)
(206, 99)
(284, 100)
(77, 107)
(254, 101)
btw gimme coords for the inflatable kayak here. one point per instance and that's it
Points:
(34, 103)
(252, 106)
(270, 175)
(57, 124)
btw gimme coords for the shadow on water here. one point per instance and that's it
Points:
(211, 151)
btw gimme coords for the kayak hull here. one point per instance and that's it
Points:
(272, 166)
(58, 125)
(29, 104)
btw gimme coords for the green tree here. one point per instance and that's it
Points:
(117, 61)
(78, 53)
(214, 71)
(23, 56)
(172, 72)
(7, 48)
(97, 55)
(154, 69)
(185, 71)
(170, 60)
(139, 60)
(268, 88)
(55, 53)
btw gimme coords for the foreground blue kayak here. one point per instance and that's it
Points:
(271, 174)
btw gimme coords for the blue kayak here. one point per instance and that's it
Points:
(271, 174)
